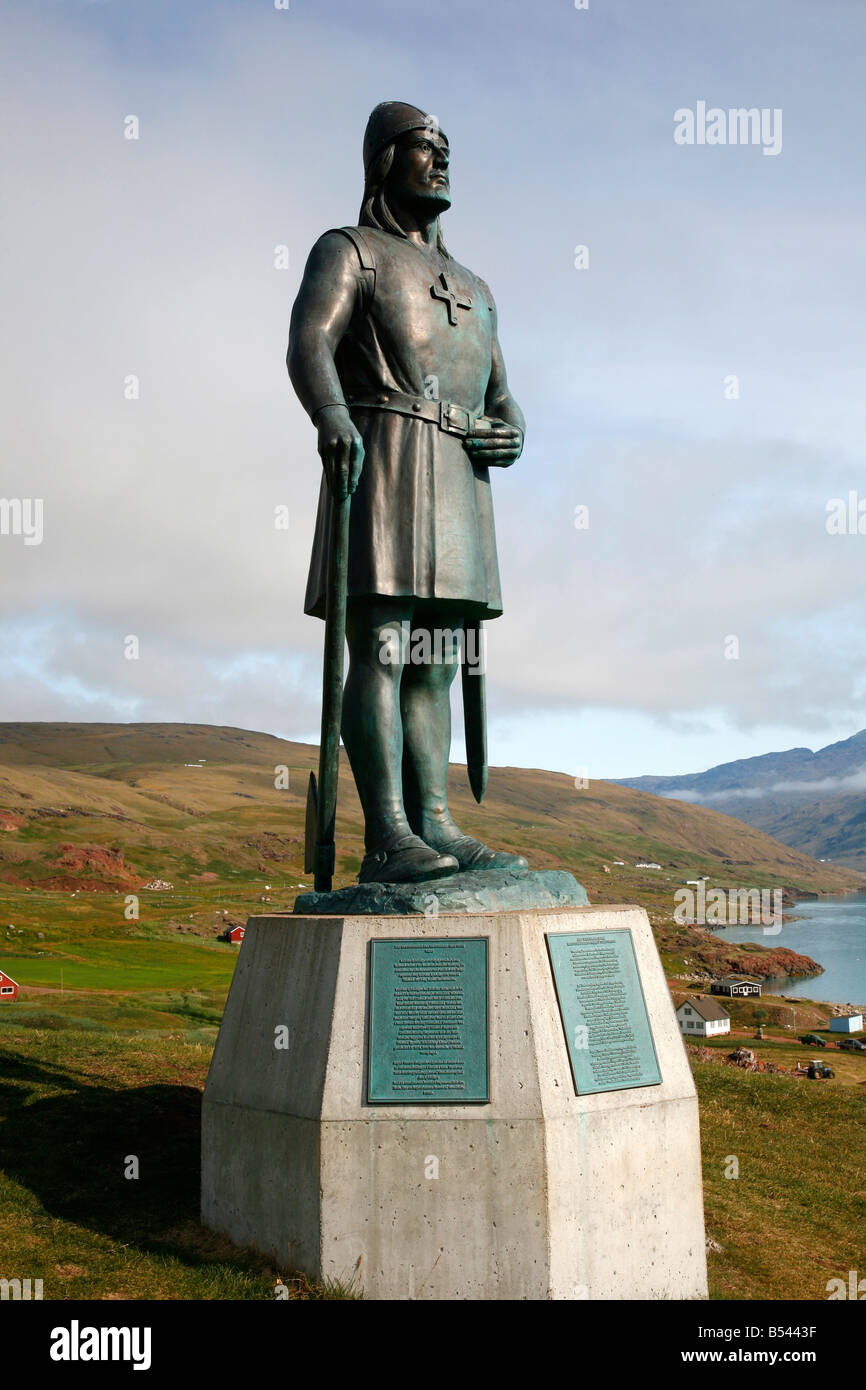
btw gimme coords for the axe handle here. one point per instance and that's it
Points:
(332, 692)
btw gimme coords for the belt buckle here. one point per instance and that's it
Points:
(447, 410)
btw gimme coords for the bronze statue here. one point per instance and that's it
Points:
(394, 354)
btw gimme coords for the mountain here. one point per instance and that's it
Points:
(813, 801)
(113, 805)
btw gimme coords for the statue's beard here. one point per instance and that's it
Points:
(430, 200)
(436, 198)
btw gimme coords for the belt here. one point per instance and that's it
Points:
(453, 419)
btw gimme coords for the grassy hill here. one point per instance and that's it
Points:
(78, 1100)
(105, 1052)
(792, 1218)
(128, 807)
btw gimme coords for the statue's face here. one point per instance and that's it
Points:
(420, 170)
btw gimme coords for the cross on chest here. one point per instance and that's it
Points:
(450, 298)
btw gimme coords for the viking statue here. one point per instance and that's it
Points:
(394, 355)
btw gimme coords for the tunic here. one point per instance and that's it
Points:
(421, 519)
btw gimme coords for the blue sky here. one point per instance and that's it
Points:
(155, 258)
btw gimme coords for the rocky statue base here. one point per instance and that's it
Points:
(414, 1103)
(484, 890)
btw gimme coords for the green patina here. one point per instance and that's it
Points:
(604, 1014)
(428, 1032)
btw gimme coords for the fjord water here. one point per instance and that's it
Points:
(830, 930)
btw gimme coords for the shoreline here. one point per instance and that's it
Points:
(837, 1010)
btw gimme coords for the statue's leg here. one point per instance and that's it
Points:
(373, 736)
(425, 700)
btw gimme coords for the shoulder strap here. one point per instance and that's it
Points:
(487, 295)
(361, 244)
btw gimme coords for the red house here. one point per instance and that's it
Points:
(233, 934)
(8, 988)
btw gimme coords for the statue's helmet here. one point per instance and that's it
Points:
(390, 119)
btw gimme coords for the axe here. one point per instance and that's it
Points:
(319, 852)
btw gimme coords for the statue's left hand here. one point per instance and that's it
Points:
(496, 443)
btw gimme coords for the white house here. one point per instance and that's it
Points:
(736, 985)
(647, 864)
(848, 1023)
(702, 1018)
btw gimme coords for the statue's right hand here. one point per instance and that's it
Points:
(341, 449)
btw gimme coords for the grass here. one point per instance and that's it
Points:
(113, 1063)
(172, 945)
(795, 1217)
(78, 1104)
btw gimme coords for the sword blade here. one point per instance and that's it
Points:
(474, 709)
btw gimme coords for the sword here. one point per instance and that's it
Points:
(473, 681)
(474, 712)
(319, 852)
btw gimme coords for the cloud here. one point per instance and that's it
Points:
(155, 258)
(852, 782)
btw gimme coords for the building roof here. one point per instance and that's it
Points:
(737, 980)
(708, 1009)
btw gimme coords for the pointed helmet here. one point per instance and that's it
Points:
(390, 119)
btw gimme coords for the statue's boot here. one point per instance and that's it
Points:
(406, 860)
(472, 854)
(427, 743)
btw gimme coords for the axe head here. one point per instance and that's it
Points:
(311, 825)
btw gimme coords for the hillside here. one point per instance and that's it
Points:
(114, 806)
(113, 1029)
(790, 1223)
(813, 801)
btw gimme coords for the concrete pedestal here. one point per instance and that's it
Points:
(541, 1193)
